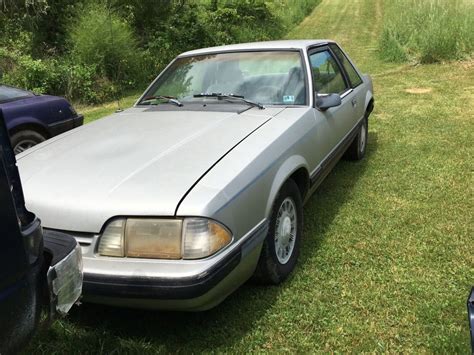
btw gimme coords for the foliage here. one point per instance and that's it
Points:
(390, 47)
(427, 30)
(290, 12)
(50, 30)
(95, 50)
(101, 39)
(51, 76)
(22, 70)
(242, 21)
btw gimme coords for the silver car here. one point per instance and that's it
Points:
(180, 199)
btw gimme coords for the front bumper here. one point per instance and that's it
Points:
(64, 274)
(196, 291)
(161, 288)
(66, 125)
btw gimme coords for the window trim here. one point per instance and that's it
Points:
(342, 65)
(28, 94)
(309, 100)
(326, 48)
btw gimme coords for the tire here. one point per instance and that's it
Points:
(26, 139)
(356, 150)
(274, 264)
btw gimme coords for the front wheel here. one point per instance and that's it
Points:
(24, 140)
(281, 246)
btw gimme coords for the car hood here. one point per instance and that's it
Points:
(135, 163)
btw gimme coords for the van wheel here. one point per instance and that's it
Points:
(281, 246)
(24, 140)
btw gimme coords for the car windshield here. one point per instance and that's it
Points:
(267, 77)
(8, 93)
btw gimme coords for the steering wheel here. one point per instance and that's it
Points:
(267, 94)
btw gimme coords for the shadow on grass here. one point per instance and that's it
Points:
(321, 209)
(112, 329)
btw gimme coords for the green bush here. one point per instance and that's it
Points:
(102, 40)
(179, 31)
(75, 81)
(290, 12)
(80, 83)
(390, 47)
(427, 30)
(93, 51)
(242, 21)
(23, 71)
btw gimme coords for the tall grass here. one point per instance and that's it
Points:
(288, 13)
(427, 31)
(291, 12)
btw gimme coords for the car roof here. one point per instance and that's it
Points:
(268, 45)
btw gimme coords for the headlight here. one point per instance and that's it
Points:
(153, 238)
(188, 238)
(111, 243)
(203, 237)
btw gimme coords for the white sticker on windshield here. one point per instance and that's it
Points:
(288, 99)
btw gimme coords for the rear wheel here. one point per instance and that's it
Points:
(281, 246)
(356, 150)
(26, 139)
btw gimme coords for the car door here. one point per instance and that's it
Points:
(329, 78)
(333, 124)
(357, 93)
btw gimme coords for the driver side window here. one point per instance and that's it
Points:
(327, 76)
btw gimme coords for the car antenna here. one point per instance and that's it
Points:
(112, 35)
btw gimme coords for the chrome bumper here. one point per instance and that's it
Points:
(65, 282)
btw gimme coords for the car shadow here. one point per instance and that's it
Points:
(323, 206)
(110, 328)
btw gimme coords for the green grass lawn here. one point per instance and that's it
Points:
(92, 113)
(387, 258)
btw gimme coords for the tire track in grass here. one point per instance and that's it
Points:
(354, 24)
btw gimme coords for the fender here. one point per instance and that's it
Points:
(26, 121)
(369, 94)
(368, 98)
(291, 164)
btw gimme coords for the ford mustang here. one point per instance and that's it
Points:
(199, 186)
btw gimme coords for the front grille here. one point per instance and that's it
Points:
(84, 239)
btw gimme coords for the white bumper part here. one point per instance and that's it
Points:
(65, 282)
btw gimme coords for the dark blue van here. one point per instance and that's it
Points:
(36, 273)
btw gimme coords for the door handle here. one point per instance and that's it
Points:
(354, 102)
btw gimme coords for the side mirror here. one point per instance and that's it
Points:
(325, 101)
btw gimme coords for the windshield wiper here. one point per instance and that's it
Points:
(170, 99)
(231, 97)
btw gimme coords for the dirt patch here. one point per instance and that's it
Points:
(418, 90)
(467, 64)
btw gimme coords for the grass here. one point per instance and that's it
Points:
(386, 261)
(92, 113)
(428, 30)
(292, 11)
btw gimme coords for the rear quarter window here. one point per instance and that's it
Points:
(354, 77)
(8, 93)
